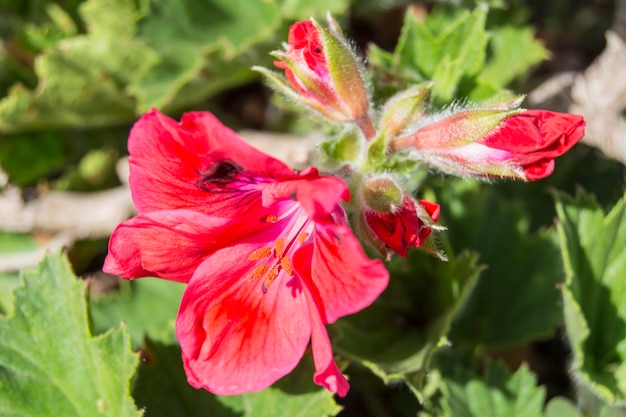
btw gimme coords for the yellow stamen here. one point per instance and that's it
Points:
(258, 272)
(270, 218)
(271, 277)
(285, 263)
(259, 254)
(302, 237)
(279, 248)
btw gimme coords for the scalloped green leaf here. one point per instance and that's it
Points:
(167, 54)
(50, 364)
(82, 79)
(593, 246)
(497, 393)
(444, 48)
(8, 282)
(453, 48)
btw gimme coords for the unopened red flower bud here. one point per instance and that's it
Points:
(392, 220)
(323, 73)
(381, 194)
(495, 143)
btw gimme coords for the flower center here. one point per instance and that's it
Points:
(274, 259)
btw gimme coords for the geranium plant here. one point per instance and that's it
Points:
(268, 254)
(409, 269)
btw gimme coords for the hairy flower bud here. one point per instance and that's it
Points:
(382, 194)
(404, 108)
(392, 220)
(323, 73)
(518, 144)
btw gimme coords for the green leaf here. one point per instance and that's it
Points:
(452, 48)
(11, 244)
(82, 78)
(95, 171)
(28, 157)
(8, 282)
(163, 391)
(50, 365)
(561, 407)
(304, 9)
(515, 301)
(462, 54)
(167, 54)
(147, 306)
(498, 393)
(514, 52)
(444, 48)
(396, 336)
(294, 395)
(194, 40)
(593, 247)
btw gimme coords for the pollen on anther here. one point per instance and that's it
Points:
(258, 272)
(285, 263)
(279, 248)
(259, 254)
(270, 218)
(302, 237)
(270, 277)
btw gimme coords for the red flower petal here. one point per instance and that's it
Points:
(327, 374)
(235, 338)
(344, 280)
(535, 138)
(305, 38)
(319, 196)
(538, 131)
(166, 244)
(168, 161)
(433, 210)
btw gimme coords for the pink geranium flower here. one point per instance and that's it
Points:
(266, 253)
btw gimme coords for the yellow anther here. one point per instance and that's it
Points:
(271, 277)
(279, 248)
(302, 237)
(259, 254)
(270, 218)
(258, 272)
(285, 263)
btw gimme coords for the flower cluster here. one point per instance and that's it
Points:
(271, 256)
